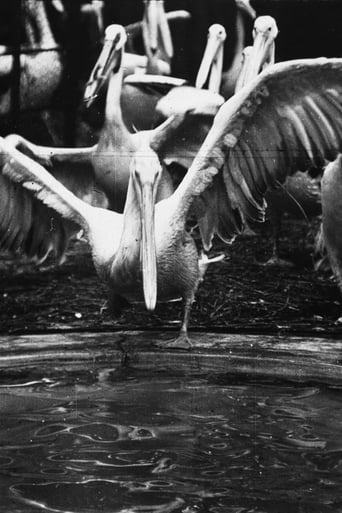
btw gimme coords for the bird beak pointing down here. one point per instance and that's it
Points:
(109, 59)
(212, 60)
(149, 254)
(261, 50)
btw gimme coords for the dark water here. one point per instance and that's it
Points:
(108, 442)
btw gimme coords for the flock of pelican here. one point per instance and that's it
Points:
(229, 153)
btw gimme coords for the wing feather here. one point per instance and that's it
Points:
(27, 224)
(31, 227)
(287, 119)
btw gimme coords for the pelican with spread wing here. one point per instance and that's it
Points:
(99, 174)
(286, 119)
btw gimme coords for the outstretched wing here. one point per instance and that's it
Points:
(27, 225)
(289, 118)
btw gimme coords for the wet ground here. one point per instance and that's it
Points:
(238, 295)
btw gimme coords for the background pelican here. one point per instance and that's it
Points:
(300, 195)
(210, 70)
(262, 54)
(285, 119)
(40, 68)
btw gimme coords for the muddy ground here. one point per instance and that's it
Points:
(238, 295)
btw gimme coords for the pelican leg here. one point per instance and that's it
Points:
(275, 259)
(182, 341)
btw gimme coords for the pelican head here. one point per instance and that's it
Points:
(145, 174)
(109, 60)
(264, 33)
(212, 60)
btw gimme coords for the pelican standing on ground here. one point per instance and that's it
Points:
(285, 119)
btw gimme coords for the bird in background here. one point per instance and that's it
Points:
(300, 195)
(40, 64)
(210, 70)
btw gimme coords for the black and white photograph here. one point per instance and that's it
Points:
(170, 256)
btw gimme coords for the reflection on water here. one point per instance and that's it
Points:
(156, 444)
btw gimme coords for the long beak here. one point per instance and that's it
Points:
(216, 72)
(100, 73)
(156, 31)
(241, 80)
(149, 254)
(259, 55)
(164, 32)
(150, 27)
(210, 56)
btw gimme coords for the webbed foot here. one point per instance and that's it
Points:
(181, 342)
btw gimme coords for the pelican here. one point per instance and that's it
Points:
(141, 94)
(40, 69)
(109, 160)
(300, 195)
(288, 117)
(210, 69)
(156, 35)
(262, 53)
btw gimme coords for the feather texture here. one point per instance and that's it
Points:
(287, 119)
(27, 225)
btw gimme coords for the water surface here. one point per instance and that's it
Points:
(125, 442)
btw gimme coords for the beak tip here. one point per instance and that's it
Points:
(151, 302)
(89, 95)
